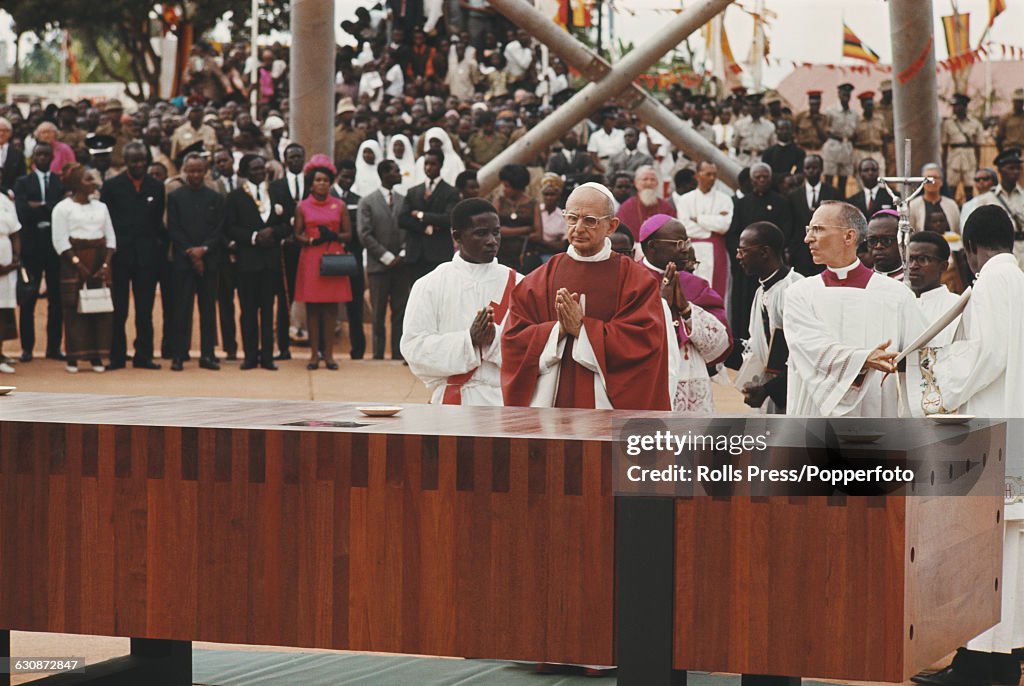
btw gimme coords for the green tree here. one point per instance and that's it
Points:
(118, 32)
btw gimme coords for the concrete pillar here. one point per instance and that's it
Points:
(600, 92)
(311, 76)
(915, 96)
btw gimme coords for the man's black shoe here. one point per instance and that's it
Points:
(231, 357)
(25, 357)
(146, 364)
(269, 366)
(177, 365)
(248, 364)
(56, 356)
(950, 677)
(115, 365)
(283, 356)
(208, 363)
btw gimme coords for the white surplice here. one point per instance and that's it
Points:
(831, 330)
(435, 335)
(9, 225)
(583, 351)
(982, 373)
(706, 216)
(707, 340)
(935, 303)
(771, 300)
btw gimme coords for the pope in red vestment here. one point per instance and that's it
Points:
(587, 329)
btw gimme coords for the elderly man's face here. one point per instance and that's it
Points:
(761, 179)
(646, 179)
(589, 217)
(46, 134)
(831, 243)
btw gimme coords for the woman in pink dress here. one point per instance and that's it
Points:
(321, 227)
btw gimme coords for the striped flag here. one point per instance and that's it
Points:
(995, 8)
(958, 34)
(854, 47)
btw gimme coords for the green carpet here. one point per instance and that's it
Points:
(234, 668)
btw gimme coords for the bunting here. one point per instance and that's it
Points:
(995, 8)
(854, 47)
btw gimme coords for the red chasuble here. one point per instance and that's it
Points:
(625, 325)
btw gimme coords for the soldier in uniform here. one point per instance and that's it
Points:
(1010, 129)
(811, 127)
(67, 130)
(192, 130)
(869, 135)
(115, 129)
(838, 149)
(884, 110)
(961, 141)
(773, 101)
(753, 136)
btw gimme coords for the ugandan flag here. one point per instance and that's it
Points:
(958, 34)
(855, 48)
(995, 8)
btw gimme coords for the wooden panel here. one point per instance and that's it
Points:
(483, 546)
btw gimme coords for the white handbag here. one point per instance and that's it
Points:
(95, 300)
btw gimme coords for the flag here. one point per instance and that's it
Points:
(74, 76)
(995, 8)
(855, 48)
(958, 34)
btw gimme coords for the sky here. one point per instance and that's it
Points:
(802, 30)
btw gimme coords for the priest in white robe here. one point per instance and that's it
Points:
(927, 257)
(706, 213)
(845, 326)
(982, 373)
(451, 337)
(763, 375)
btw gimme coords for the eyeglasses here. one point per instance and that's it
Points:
(922, 260)
(745, 249)
(818, 229)
(884, 241)
(680, 245)
(984, 179)
(588, 221)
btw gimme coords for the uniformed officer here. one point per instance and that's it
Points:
(753, 136)
(884, 110)
(869, 135)
(838, 149)
(961, 145)
(1010, 130)
(810, 128)
(67, 128)
(114, 110)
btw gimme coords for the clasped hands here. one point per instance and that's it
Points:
(195, 256)
(569, 312)
(481, 332)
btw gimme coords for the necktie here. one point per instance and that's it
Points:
(429, 191)
(231, 184)
(814, 201)
(391, 199)
(258, 198)
(295, 192)
(46, 184)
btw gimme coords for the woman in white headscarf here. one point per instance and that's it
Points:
(400, 150)
(453, 164)
(367, 159)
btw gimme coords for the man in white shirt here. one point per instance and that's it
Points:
(981, 372)
(841, 323)
(453, 322)
(519, 56)
(707, 214)
(394, 79)
(607, 141)
(985, 179)
(927, 257)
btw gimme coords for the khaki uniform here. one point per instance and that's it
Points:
(484, 148)
(346, 143)
(837, 152)
(185, 136)
(888, 144)
(810, 130)
(1013, 203)
(75, 138)
(751, 139)
(963, 138)
(868, 138)
(1010, 131)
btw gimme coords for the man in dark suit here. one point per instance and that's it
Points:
(426, 217)
(35, 195)
(803, 200)
(227, 279)
(386, 268)
(249, 222)
(12, 160)
(195, 213)
(287, 192)
(570, 161)
(354, 308)
(871, 197)
(762, 205)
(136, 204)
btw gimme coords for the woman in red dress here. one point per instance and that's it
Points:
(321, 227)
